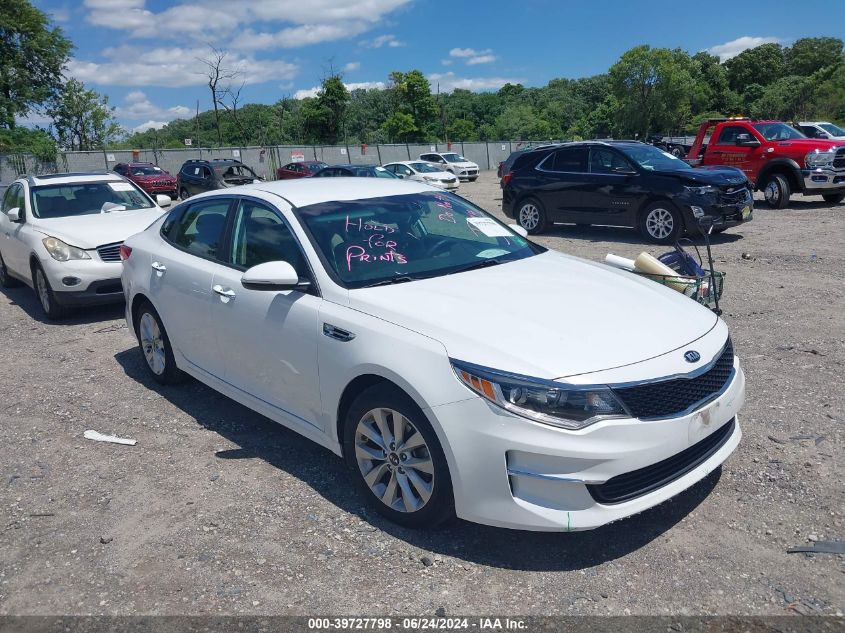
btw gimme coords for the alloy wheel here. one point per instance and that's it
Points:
(43, 290)
(394, 460)
(660, 223)
(529, 216)
(152, 343)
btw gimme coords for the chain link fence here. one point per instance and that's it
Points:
(264, 160)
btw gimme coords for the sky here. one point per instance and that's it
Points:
(145, 54)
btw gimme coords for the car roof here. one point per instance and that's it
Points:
(301, 192)
(813, 122)
(74, 177)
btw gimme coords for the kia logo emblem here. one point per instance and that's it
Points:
(692, 356)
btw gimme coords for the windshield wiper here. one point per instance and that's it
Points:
(477, 265)
(392, 280)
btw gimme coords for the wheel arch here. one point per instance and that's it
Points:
(784, 166)
(137, 301)
(651, 199)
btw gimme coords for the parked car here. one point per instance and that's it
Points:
(354, 171)
(623, 183)
(198, 176)
(149, 177)
(62, 236)
(422, 171)
(778, 159)
(505, 165)
(376, 317)
(450, 161)
(820, 129)
(301, 169)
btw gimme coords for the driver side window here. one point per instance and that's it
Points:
(13, 198)
(728, 134)
(260, 236)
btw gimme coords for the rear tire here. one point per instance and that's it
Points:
(53, 310)
(777, 191)
(407, 482)
(833, 198)
(183, 194)
(155, 346)
(531, 216)
(6, 280)
(661, 223)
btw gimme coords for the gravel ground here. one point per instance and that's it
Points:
(219, 511)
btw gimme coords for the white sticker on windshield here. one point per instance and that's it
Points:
(489, 227)
(668, 155)
(121, 186)
(380, 169)
(492, 252)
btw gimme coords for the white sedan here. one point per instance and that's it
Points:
(61, 234)
(421, 171)
(456, 366)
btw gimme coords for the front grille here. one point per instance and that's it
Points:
(671, 397)
(839, 159)
(733, 198)
(110, 252)
(639, 482)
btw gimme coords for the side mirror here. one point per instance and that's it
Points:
(278, 275)
(746, 140)
(822, 135)
(15, 215)
(163, 201)
(518, 230)
(624, 171)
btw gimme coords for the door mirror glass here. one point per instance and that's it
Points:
(15, 215)
(272, 276)
(518, 230)
(163, 201)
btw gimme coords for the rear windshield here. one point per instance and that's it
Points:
(88, 198)
(833, 130)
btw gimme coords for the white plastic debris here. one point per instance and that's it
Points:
(99, 437)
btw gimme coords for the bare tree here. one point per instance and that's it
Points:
(232, 107)
(216, 72)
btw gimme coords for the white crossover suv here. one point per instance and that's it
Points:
(455, 163)
(61, 235)
(422, 171)
(456, 366)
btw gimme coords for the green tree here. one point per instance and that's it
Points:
(82, 118)
(411, 93)
(32, 56)
(399, 126)
(37, 142)
(788, 99)
(462, 130)
(522, 122)
(762, 65)
(810, 54)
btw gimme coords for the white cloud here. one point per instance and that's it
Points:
(351, 66)
(58, 14)
(449, 81)
(149, 125)
(383, 40)
(446, 62)
(481, 59)
(297, 36)
(735, 47)
(471, 56)
(361, 85)
(138, 106)
(168, 66)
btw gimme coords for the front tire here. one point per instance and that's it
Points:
(833, 198)
(661, 223)
(531, 216)
(183, 194)
(395, 459)
(155, 346)
(777, 191)
(6, 280)
(53, 310)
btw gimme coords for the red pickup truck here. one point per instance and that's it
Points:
(778, 159)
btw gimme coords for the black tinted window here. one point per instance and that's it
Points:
(200, 229)
(13, 198)
(729, 134)
(606, 161)
(260, 236)
(569, 159)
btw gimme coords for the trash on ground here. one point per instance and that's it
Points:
(819, 547)
(99, 437)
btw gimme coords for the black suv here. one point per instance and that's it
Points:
(623, 183)
(197, 176)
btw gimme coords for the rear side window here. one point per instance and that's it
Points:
(568, 159)
(201, 227)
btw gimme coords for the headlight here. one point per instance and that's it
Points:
(819, 159)
(700, 190)
(429, 178)
(546, 401)
(63, 252)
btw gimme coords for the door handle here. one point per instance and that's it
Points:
(159, 267)
(226, 293)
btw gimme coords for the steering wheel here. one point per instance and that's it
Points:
(431, 250)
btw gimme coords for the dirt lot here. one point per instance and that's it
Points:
(218, 510)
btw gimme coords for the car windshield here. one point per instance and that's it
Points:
(653, 159)
(314, 167)
(833, 130)
(412, 236)
(147, 170)
(777, 131)
(454, 158)
(425, 168)
(235, 173)
(86, 198)
(372, 172)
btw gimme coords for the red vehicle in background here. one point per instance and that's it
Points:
(776, 158)
(301, 169)
(149, 177)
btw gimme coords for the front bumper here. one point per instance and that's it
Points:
(511, 472)
(823, 181)
(724, 215)
(84, 281)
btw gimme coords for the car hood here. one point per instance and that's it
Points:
(91, 231)
(153, 178)
(809, 144)
(440, 175)
(467, 163)
(715, 175)
(549, 316)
